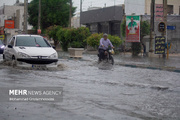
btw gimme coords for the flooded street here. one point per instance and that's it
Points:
(90, 93)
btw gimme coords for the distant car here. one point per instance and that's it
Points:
(30, 50)
(2, 46)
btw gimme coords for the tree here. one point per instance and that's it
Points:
(53, 12)
(51, 32)
(145, 30)
(94, 39)
(123, 28)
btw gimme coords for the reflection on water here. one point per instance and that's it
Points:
(104, 65)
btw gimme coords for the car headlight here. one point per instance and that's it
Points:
(2, 47)
(53, 56)
(23, 55)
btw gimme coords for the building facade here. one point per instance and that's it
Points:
(173, 6)
(103, 20)
(15, 15)
(13, 12)
(143, 7)
(173, 36)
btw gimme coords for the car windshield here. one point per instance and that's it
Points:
(1, 42)
(31, 41)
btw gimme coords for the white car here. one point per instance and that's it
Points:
(31, 51)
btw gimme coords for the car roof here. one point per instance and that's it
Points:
(27, 35)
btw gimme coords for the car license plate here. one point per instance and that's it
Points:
(39, 66)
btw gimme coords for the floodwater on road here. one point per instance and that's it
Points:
(90, 93)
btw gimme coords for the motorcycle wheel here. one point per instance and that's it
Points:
(111, 60)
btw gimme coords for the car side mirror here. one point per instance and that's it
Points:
(10, 46)
(53, 47)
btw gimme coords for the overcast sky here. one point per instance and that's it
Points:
(76, 3)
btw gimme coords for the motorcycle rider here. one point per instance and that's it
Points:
(104, 44)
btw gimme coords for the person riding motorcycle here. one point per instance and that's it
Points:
(104, 44)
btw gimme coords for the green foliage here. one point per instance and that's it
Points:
(79, 37)
(51, 32)
(136, 48)
(73, 37)
(145, 28)
(94, 40)
(64, 38)
(76, 44)
(53, 12)
(115, 40)
(123, 28)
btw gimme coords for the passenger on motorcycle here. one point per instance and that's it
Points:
(104, 44)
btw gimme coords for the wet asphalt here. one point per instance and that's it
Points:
(93, 93)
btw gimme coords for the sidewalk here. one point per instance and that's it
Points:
(171, 64)
(173, 61)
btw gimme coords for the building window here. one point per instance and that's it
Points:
(170, 9)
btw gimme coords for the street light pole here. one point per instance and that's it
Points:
(152, 26)
(165, 21)
(39, 16)
(165, 16)
(70, 13)
(25, 15)
(80, 12)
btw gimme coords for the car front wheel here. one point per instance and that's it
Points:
(14, 63)
(4, 59)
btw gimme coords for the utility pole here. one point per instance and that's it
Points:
(25, 15)
(70, 13)
(80, 12)
(39, 16)
(165, 21)
(152, 26)
(165, 16)
(80, 6)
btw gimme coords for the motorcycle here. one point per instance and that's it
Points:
(108, 56)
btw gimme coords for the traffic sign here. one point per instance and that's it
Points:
(171, 27)
(162, 27)
(160, 45)
(1, 37)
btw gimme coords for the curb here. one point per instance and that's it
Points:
(171, 69)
